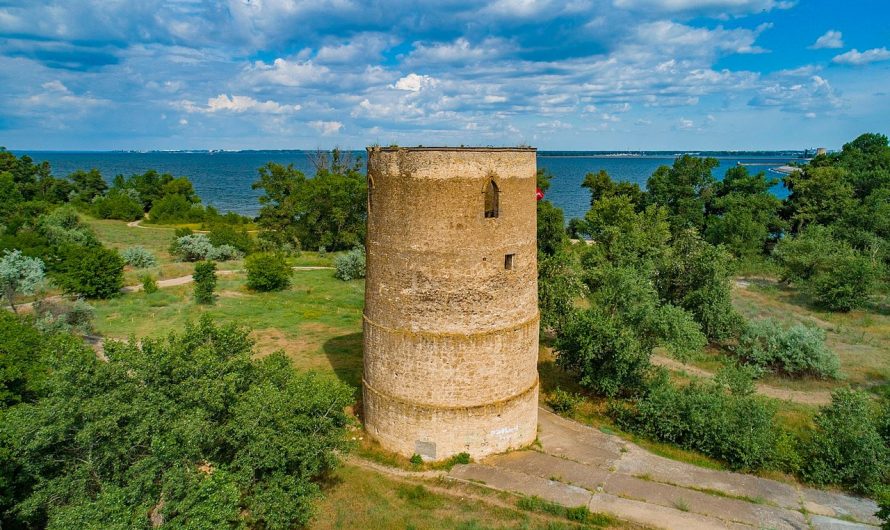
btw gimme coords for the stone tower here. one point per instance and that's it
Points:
(451, 305)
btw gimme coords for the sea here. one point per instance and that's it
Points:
(223, 178)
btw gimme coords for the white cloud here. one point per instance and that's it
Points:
(415, 83)
(288, 73)
(855, 57)
(362, 48)
(459, 51)
(240, 104)
(685, 124)
(831, 39)
(326, 128)
(717, 6)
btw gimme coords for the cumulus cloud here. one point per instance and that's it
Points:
(831, 39)
(326, 128)
(855, 57)
(240, 104)
(415, 83)
(717, 6)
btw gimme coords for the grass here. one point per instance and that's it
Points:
(578, 514)
(317, 321)
(861, 338)
(358, 498)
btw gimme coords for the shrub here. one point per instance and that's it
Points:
(96, 272)
(19, 274)
(267, 271)
(192, 247)
(175, 208)
(706, 417)
(62, 227)
(460, 458)
(224, 253)
(205, 281)
(53, 316)
(350, 266)
(119, 204)
(884, 507)
(846, 447)
(416, 459)
(182, 231)
(223, 234)
(139, 257)
(797, 351)
(563, 402)
(149, 285)
(829, 270)
(226, 439)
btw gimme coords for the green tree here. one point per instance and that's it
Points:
(845, 447)
(820, 195)
(327, 211)
(190, 429)
(697, 276)
(205, 281)
(91, 272)
(19, 275)
(624, 236)
(559, 286)
(22, 366)
(609, 345)
(267, 271)
(88, 185)
(684, 189)
(743, 214)
(551, 228)
(601, 185)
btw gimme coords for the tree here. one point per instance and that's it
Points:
(559, 286)
(22, 367)
(743, 215)
(88, 185)
(601, 185)
(326, 211)
(91, 272)
(829, 270)
(19, 275)
(696, 276)
(609, 345)
(846, 447)
(205, 281)
(267, 271)
(684, 189)
(551, 228)
(820, 195)
(190, 430)
(624, 236)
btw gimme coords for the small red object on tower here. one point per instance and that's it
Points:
(539, 193)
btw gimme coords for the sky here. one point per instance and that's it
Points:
(574, 75)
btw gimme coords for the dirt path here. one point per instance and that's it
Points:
(811, 397)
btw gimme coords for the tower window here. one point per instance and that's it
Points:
(508, 261)
(491, 200)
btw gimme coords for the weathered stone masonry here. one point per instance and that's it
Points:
(451, 321)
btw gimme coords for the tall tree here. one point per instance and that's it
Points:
(684, 189)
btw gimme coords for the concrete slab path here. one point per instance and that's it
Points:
(576, 465)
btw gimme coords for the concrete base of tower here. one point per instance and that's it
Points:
(437, 433)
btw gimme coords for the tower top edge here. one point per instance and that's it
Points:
(391, 149)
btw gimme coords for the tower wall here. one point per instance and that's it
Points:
(450, 334)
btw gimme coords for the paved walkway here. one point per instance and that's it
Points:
(576, 465)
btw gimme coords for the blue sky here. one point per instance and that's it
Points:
(598, 74)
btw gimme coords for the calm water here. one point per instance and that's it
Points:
(223, 179)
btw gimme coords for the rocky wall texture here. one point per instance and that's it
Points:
(451, 318)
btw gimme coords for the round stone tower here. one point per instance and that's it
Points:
(451, 303)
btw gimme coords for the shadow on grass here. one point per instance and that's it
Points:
(344, 352)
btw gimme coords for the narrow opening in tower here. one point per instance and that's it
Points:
(508, 261)
(370, 193)
(491, 200)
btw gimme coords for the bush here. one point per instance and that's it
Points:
(149, 285)
(884, 507)
(736, 428)
(95, 272)
(139, 257)
(119, 204)
(223, 234)
(175, 208)
(797, 351)
(224, 253)
(350, 266)
(830, 271)
(267, 271)
(225, 439)
(205, 281)
(563, 402)
(54, 316)
(846, 447)
(416, 459)
(191, 247)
